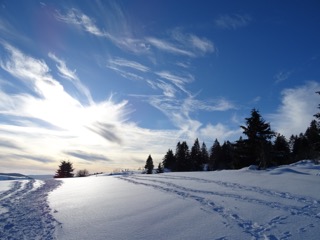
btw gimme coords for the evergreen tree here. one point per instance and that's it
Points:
(195, 157)
(204, 155)
(313, 136)
(160, 168)
(226, 156)
(149, 165)
(281, 151)
(317, 115)
(182, 156)
(259, 134)
(241, 156)
(169, 160)
(300, 150)
(215, 156)
(65, 170)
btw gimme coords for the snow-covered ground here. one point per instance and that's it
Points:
(280, 203)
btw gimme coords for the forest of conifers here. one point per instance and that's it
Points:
(261, 146)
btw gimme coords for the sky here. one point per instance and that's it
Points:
(106, 83)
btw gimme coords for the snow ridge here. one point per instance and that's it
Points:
(27, 214)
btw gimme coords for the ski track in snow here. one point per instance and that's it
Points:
(309, 208)
(27, 214)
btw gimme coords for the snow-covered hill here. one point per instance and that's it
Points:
(280, 203)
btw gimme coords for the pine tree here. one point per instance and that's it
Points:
(241, 156)
(300, 149)
(215, 156)
(65, 170)
(259, 134)
(227, 156)
(204, 155)
(160, 168)
(313, 136)
(281, 151)
(195, 157)
(169, 161)
(317, 115)
(182, 156)
(149, 165)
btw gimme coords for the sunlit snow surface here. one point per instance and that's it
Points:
(280, 203)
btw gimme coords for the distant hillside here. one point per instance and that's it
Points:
(13, 176)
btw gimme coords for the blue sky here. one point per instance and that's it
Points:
(106, 83)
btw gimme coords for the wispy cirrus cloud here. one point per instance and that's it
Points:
(168, 47)
(181, 111)
(81, 20)
(49, 103)
(168, 90)
(66, 128)
(202, 44)
(183, 44)
(197, 45)
(233, 21)
(129, 64)
(125, 73)
(282, 76)
(66, 73)
(178, 80)
(119, 35)
(170, 85)
(87, 156)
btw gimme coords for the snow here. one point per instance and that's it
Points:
(278, 203)
(24, 211)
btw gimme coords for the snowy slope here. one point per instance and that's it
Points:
(280, 203)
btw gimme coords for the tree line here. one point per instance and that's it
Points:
(261, 146)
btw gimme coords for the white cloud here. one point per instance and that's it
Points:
(48, 125)
(168, 89)
(169, 47)
(71, 75)
(180, 113)
(175, 78)
(197, 45)
(183, 64)
(76, 17)
(178, 80)
(282, 76)
(202, 44)
(183, 44)
(126, 74)
(127, 63)
(232, 21)
(119, 34)
(218, 131)
(296, 110)
(256, 99)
